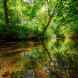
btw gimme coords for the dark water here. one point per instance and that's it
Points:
(20, 59)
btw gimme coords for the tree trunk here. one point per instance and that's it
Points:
(6, 12)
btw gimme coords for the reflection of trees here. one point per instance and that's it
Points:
(66, 58)
(62, 63)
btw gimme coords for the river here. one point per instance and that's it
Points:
(19, 56)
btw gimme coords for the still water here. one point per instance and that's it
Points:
(34, 59)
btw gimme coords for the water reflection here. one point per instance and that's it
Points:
(56, 57)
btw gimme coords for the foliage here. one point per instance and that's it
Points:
(54, 23)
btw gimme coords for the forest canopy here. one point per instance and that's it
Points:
(20, 18)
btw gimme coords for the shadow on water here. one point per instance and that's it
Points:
(16, 47)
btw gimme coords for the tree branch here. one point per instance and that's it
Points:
(50, 17)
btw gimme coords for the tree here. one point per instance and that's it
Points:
(5, 2)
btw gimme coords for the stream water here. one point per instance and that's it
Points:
(19, 56)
